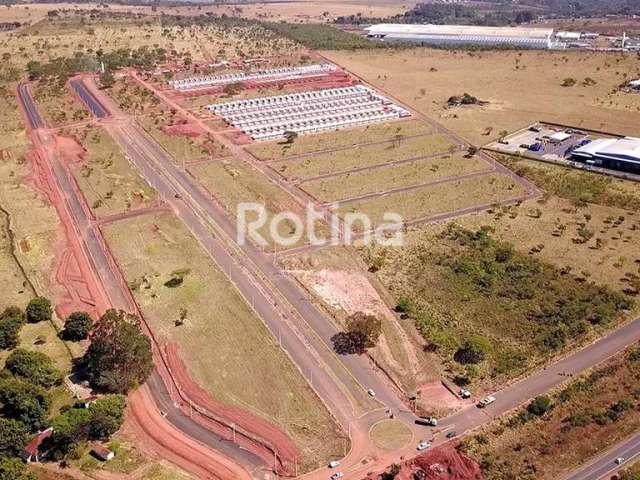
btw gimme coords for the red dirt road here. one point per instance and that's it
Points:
(286, 449)
(172, 445)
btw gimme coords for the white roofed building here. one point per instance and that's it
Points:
(463, 35)
(616, 153)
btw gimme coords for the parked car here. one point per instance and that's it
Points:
(334, 464)
(371, 392)
(486, 401)
(423, 446)
(337, 475)
(464, 393)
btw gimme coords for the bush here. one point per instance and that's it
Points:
(474, 350)
(404, 305)
(540, 405)
(77, 326)
(35, 367)
(38, 310)
(15, 469)
(568, 82)
(11, 321)
(14, 435)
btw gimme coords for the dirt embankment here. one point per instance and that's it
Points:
(445, 462)
(253, 433)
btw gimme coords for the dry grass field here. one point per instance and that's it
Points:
(594, 411)
(66, 36)
(227, 348)
(521, 87)
(339, 139)
(390, 435)
(290, 11)
(108, 181)
(392, 176)
(368, 155)
(437, 199)
(25, 250)
(232, 182)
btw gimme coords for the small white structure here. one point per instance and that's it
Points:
(559, 137)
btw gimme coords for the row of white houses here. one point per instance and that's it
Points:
(274, 74)
(269, 118)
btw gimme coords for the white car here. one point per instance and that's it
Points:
(371, 392)
(619, 460)
(464, 393)
(486, 401)
(334, 464)
(337, 475)
(423, 446)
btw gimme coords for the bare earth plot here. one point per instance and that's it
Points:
(521, 87)
(339, 139)
(106, 178)
(359, 157)
(232, 182)
(390, 177)
(437, 199)
(338, 279)
(227, 348)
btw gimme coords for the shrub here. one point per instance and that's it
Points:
(540, 405)
(473, 350)
(11, 321)
(38, 310)
(77, 326)
(35, 367)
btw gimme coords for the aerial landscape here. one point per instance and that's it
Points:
(320, 239)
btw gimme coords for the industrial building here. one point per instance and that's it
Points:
(262, 76)
(615, 153)
(464, 35)
(268, 118)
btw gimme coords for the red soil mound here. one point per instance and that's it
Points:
(442, 463)
(69, 149)
(256, 427)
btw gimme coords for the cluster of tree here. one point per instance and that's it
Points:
(58, 70)
(464, 99)
(322, 36)
(362, 332)
(559, 305)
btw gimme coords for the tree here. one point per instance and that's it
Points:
(35, 367)
(363, 331)
(11, 321)
(14, 436)
(119, 357)
(15, 469)
(540, 405)
(473, 350)
(69, 428)
(107, 80)
(107, 415)
(471, 151)
(290, 137)
(77, 326)
(34, 69)
(38, 310)
(24, 402)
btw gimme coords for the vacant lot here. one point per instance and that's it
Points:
(227, 348)
(233, 182)
(392, 176)
(340, 139)
(390, 435)
(600, 407)
(107, 179)
(345, 160)
(521, 87)
(467, 292)
(57, 105)
(436, 199)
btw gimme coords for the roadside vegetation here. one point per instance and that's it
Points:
(592, 412)
(321, 36)
(511, 309)
(579, 187)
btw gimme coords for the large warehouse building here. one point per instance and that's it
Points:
(463, 35)
(616, 153)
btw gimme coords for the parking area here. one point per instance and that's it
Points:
(543, 141)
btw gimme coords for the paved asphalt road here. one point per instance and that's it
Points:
(604, 466)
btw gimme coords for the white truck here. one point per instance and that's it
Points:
(486, 401)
